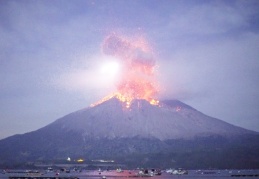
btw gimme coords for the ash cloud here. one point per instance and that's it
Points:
(137, 78)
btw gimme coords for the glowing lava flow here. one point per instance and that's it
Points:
(137, 77)
(122, 98)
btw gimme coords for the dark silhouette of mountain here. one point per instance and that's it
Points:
(172, 134)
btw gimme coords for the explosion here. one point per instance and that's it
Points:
(137, 77)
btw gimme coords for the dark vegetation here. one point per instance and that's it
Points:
(198, 153)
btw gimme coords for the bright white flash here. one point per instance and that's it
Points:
(110, 68)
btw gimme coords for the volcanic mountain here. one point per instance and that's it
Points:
(171, 134)
(169, 120)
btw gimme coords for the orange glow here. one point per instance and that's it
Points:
(126, 100)
(106, 98)
(137, 76)
(80, 160)
(154, 102)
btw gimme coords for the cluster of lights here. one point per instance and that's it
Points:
(104, 161)
(78, 160)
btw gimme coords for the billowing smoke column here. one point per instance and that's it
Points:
(137, 79)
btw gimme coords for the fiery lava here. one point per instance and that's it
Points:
(137, 77)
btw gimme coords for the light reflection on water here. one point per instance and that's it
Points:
(127, 174)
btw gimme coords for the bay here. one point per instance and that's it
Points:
(126, 174)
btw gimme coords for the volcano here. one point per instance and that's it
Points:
(171, 134)
(170, 120)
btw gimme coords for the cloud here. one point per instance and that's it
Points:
(207, 19)
(218, 78)
(87, 78)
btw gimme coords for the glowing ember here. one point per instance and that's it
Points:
(122, 98)
(137, 77)
(102, 100)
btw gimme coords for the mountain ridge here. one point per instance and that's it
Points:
(172, 119)
(134, 136)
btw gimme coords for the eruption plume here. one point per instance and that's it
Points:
(137, 79)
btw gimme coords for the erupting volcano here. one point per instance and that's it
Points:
(130, 127)
(137, 77)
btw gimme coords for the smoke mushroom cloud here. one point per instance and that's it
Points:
(137, 78)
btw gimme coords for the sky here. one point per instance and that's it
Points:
(52, 61)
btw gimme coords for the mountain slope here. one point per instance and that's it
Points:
(136, 136)
(171, 120)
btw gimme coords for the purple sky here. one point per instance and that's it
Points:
(51, 59)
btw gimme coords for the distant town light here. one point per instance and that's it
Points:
(80, 160)
(103, 161)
